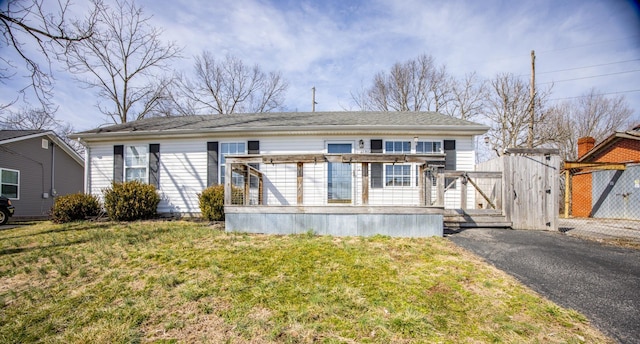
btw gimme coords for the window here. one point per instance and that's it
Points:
(398, 147)
(136, 163)
(231, 148)
(397, 175)
(10, 183)
(428, 147)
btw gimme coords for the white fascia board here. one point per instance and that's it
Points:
(285, 131)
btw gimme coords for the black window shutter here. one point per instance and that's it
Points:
(450, 159)
(118, 163)
(376, 168)
(154, 164)
(253, 147)
(212, 163)
(450, 155)
(376, 146)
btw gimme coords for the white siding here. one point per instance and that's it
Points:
(465, 161)
(101, 173)
(183, 174)
(183, 171)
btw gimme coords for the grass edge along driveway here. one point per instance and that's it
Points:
(182, 281)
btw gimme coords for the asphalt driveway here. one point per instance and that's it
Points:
(600, 281)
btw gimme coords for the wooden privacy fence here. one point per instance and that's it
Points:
(529, 187)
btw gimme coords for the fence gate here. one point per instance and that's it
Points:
(530, 187)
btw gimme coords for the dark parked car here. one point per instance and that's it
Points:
(6, 210)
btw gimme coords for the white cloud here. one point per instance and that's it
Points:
(338, 46)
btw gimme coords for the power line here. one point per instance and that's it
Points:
(601, 94)
(585, 67)
(590, 44)
(589, 77)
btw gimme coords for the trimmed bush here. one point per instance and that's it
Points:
(130, 201)
(211, 201)
(74, 207)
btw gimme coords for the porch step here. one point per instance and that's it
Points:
(456, 219)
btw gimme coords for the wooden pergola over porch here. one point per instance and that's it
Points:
(245, 166)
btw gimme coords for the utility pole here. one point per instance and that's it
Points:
(532, 99)
(313, 99)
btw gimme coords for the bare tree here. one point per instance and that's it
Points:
(468, 97)
(228, 86)
(25, 24)
(40, 119)
(507, 110)
(592, 115)
(121, 60)
(414, 85)
(29, 119)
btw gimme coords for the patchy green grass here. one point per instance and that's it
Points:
(172, 282)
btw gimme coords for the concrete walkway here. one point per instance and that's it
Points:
(600, 281)
(600, 228)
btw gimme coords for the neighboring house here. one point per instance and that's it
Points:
(36, 166)
(606, 183)
(181, 156)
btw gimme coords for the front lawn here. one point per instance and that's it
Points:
(188, 282)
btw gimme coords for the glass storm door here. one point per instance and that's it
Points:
(339, 175)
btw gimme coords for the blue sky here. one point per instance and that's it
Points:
(338, 46)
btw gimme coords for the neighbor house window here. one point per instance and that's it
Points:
(423, 147)
(136, 163)
(10, 183)
(397, 174)
(231, 148)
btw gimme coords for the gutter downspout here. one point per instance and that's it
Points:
(87, 167)
(53, 170)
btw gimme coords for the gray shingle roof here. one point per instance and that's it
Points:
(12, 134)
(289, 121)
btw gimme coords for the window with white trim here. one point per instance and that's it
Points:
(10, 183)
(231, 148)
(397, 174)
(428, 147)
(423, 147)
(397, 147)
(136, 163)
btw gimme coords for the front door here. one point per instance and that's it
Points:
(339, 183)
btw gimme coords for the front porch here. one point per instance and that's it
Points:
(348, 194)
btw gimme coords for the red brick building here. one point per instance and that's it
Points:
(621, 147)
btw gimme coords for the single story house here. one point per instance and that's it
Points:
(606, 177)
(323, 163)
(36, 166)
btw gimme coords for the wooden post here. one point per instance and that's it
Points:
(421, 185)
(300, 198)
(567, 190)
(260, 190)
(365, 183)
(532, 100)
(227, 184)
(440, 188)
(463, 192)
(247, 185)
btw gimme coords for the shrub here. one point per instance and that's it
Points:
(74, 207)
(130, 201)
(211, 201)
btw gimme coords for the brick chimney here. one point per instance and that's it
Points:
(584, 145)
